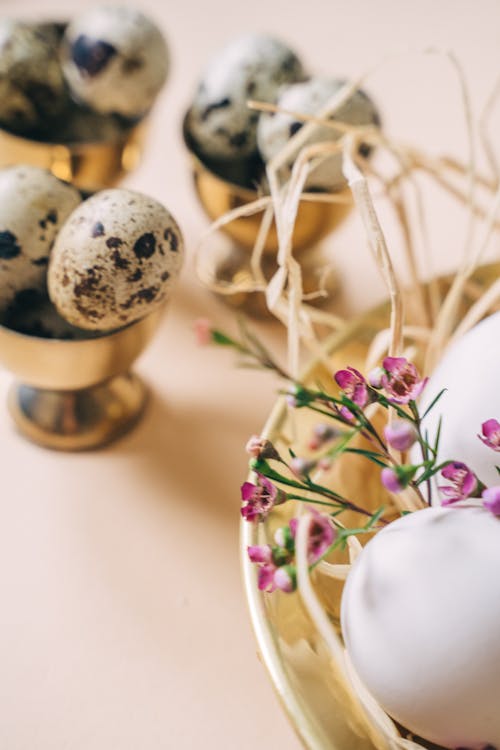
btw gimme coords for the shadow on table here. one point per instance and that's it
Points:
(195, 451)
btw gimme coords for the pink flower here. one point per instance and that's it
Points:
(391, 481)
(400, 434)
(260, 553)
(354, 386)
(491, 434)
(401, 380)
(203, 331)
(463, 483)
(322, 535)
(285, 578)
(491, 499)
(265, 577)
(259, 499)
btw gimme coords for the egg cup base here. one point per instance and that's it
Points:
(78, 420)
(230, 264)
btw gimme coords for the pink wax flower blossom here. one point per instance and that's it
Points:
(400, 434)
(322, 535)
(463, 483)
(258, 447)
(401, 380)
(260, 553)
(491, 499)
(265, 577)
(353, 385)
(203, 331)
(391, 481)
(259, 499)
(285, 578)
(375, 377)
(491, 434)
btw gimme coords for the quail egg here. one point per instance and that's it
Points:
(115, 60)
(31, 81)
(115, 260)
(253, 66)
(310, 97)
(33, 206)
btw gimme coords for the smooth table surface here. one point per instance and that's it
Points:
(123, 624)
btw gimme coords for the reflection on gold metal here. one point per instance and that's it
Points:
(89, 166)
(76, 395)
(289, 644)
(218, 197)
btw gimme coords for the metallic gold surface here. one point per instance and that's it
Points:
(289, 644)
(88, 166)
(218, 196)
(76, 395)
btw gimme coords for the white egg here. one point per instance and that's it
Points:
(420, 619)
(469, 372)
(115, 59)
(310, 97)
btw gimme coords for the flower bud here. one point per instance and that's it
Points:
(400, 434)
(491, 499)
(301, 466)
(284, 538)
(375, 377)
(260, 553)
(285, 578)
(258, 447)
(390, 480)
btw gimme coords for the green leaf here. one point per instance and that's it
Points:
(433, 403)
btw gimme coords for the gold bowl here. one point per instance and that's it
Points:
(76, 394)
(219, 195)
(289, 643)
(89, 166)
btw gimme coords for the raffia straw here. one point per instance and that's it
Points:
(398, 204)
(446, 322)
(359, 186)
(478, 310)
(484, 134)
(375, 722)
(381, 342)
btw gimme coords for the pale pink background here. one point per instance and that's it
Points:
(123, 623)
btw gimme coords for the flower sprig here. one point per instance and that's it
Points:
(403, 451)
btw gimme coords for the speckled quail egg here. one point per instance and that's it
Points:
(115, 60)
(33, 206)
(310, 97)
(253, 66)
(32, 86)
(115, 260)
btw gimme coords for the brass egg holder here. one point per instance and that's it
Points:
(89, 166)
(219, 193)
(76, 395)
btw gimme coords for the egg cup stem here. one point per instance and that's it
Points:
(76, 420)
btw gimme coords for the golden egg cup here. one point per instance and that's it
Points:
(218, 196)
(89, 166)
(77, 394)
